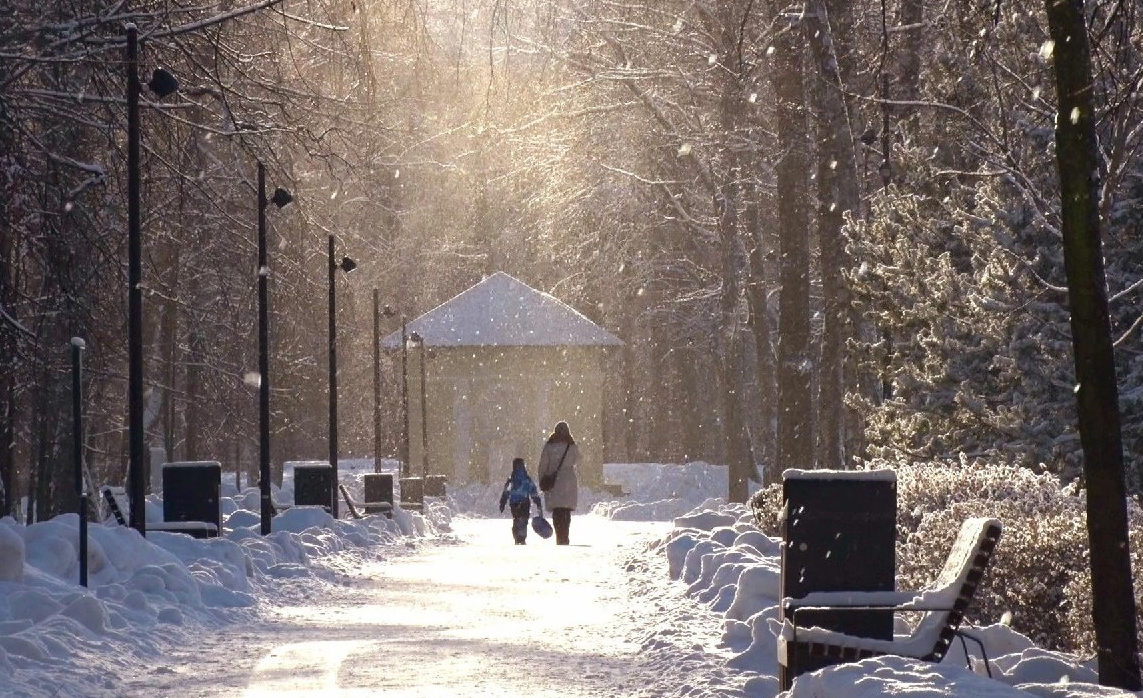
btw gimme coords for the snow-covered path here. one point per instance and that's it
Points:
(474, 616)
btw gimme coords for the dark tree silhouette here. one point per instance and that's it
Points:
(1097, 399)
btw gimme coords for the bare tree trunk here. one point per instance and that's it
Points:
(1097, 399)
(739, 463)
(8, 440)
(839, 15)
(795, 441)
(168, 347)
(694, 416)
(631, 368)
(837, 195)
(47, 410)
(909, 57)
(8, 367)
(757, 289)
(194, 415)
(664, 406)
(39, 477)
(740, 460)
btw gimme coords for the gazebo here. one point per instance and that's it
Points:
(503, 362)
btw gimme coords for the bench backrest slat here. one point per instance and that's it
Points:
(968, 561)
(113, 505)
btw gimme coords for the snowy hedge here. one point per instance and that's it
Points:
(1039, 578)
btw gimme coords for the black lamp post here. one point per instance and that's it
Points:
(378, 313)
(162, 83)
(280, 199)
(417, 340)
(77, 347)
(347, 265)
(405, 395)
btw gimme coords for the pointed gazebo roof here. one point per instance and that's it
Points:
(504, 311)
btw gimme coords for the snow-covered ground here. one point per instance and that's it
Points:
(664, 592)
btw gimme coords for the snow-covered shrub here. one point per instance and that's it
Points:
(1078, 624)
(928, 487)
(766, 505)
(1039, 555)
(1039, 576)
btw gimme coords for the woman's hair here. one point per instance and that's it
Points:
(518, 465)
(561, 434)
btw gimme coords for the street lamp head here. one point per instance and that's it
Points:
(281, 197)
(347, 264)
(163, 83)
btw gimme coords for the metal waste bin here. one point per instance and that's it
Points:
(839, 533)
(412, 490)
(435, 485)
(313, 485)
(192, 491)
(378, 488)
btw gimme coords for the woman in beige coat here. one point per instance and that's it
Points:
(560, 455)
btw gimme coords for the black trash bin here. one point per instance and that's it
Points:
(378, 488)
(412, 492)
(435, 485)
(313, 485)
(839, 534)
(192, 492)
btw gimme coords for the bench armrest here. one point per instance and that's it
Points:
(932, 599)
(843, 599)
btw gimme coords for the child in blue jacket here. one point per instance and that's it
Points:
(518, 490)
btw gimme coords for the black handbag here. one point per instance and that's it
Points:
(547, 482)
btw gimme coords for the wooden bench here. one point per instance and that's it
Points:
(359, 509)
(198, 529)
(943, 605)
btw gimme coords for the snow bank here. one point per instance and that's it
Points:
(659, 491)
(138, 585)
(147, 595)
(733, 569)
